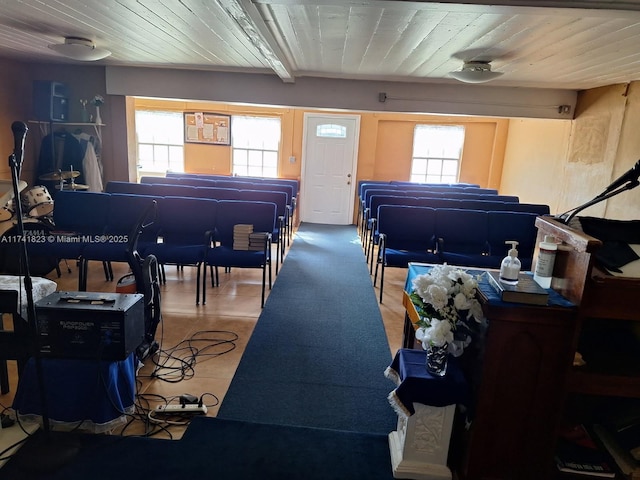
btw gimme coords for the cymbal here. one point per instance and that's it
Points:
(73, 186)
(57, 176)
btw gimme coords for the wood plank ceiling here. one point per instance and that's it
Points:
(548, 46)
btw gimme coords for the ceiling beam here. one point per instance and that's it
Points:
(246, 16)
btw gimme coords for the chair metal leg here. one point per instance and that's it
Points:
(198, 286)
(264, 278)
(204, 283)
(381, 281)
(82, 274)
(105, 267)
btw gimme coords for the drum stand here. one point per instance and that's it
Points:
(51, 454)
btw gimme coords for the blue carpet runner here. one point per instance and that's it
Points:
(318, 352)
(308, 401)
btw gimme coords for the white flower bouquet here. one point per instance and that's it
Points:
(97, 101)
(445, 299)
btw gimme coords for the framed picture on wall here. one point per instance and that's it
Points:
(205, 127)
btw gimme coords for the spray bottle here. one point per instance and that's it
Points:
(510, 266)
(546, 259)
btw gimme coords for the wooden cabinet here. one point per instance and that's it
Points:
(607, 329)
(601, 298)
(517, 378)
(519, 397)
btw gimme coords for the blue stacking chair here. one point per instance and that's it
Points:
(462, 237)
(183, 229)
(217, 193)
(81, 215)
(123, 214)
(407, 234)
(262, 216)
(159, 180)
(129, 188)
(506, 226)
(78, 217)
(288, 190)
(537, 208)
(280, 231)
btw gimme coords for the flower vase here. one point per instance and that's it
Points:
(98, 117)
(85, 115)
(437, 359)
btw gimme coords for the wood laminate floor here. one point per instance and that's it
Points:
(231, 310)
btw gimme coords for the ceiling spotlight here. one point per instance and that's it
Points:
(81, 49)
(475, 72)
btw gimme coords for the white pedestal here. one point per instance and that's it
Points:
(420, 445)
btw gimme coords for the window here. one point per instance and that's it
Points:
(160, 141)
(331, 131)
(255, 142)
(437, 150)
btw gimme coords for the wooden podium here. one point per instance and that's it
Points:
(577, 277)
(607, 304)
(517, 380)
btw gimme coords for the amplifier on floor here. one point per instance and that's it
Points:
(101, 326)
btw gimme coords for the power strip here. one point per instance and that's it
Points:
(192, 409)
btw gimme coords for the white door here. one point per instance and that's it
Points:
(330, 150)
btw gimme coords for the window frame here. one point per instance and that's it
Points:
(168, 146)
(252, 151)
(426, 174)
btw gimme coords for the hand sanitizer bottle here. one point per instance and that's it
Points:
(546, 259)
(510, 266)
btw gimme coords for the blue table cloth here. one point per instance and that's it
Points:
(415, 269)
(88, 394)
(415, 385)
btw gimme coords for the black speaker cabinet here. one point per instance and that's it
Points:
(90, 325)
(50, 101)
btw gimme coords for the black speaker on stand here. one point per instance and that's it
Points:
(42, 453)
(50, 101)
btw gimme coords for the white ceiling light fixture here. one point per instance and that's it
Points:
(81, 49)
(475, 72)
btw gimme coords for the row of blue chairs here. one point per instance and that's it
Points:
(279, 233)
(182, 231)
(468, 238)
(486, 203)
(368, 189)
(289, 186)
(295, 184)
(443, 187)
(369, 210)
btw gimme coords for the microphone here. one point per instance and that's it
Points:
(19, 134)
(630, 176)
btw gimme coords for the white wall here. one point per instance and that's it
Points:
(535, 159)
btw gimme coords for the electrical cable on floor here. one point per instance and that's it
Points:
(174, 365)
(178, 363)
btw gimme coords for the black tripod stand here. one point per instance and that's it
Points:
(42, 453)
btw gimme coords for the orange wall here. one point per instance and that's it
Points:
(216, 159)
(392, 136)
(385, 148)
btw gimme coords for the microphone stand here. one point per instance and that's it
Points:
(567, 216)
(51, 454)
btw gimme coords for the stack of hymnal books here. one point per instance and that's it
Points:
(621, 438)
(526, 291)
(241, 234)
(257, 241)
(577, 453)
